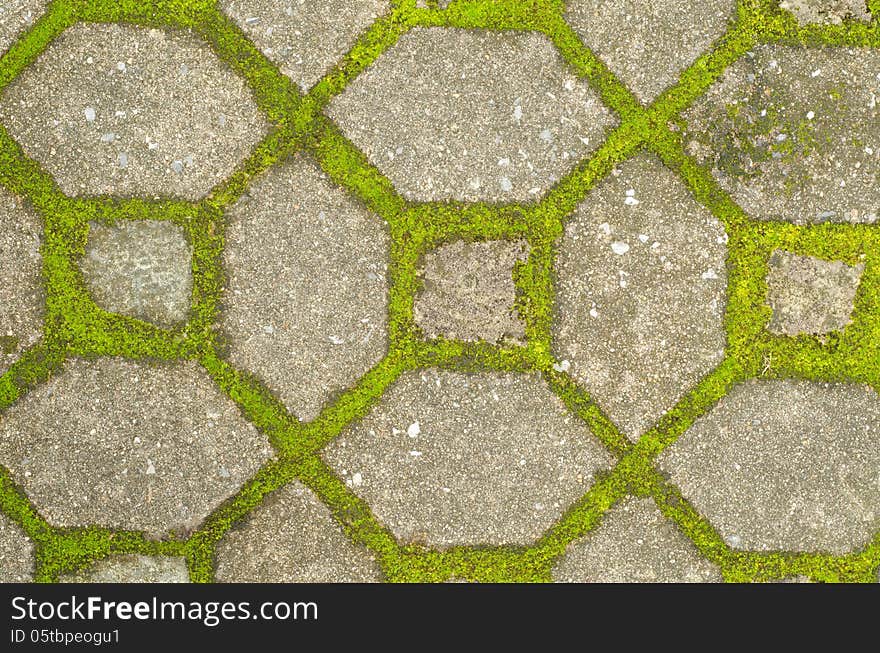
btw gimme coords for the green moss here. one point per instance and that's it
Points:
(74, 325)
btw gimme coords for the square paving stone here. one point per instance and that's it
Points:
(142, 269)
(468, 292)
(827, 11)
(809, 294)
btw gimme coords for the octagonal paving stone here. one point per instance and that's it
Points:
(827, 11)
(810, 295)
(648, 44)
(785, 465)
(16, 553)
(448, 458)
(129, 445)
(16, 16)
(515, 122)
(305, 38)
(132, 111)
(132, 569)
(142, 269)
(635, 543)
(292, 538)
(468, 292)
(794, 133)
(22, 296)
(305, 306)
(640, 293)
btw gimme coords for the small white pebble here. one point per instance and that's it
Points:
(594, 312)
(415, 454)
(643, 238)
(414, 429)
(90, 114)
(630, 201)
(562, 366)
(816, 72)
(709, 274)
(357, 479)
(121, 66)
(336, 340)
(620, 248)
(505, 184)
(810, 115)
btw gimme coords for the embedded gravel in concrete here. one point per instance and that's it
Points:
(306, 39)
(809, 294)
(16, 16)
(831, 12)
(22, 297)
(450, 458)
(640, 293)
(785, 465)
(635, 543)
(792, 133)
(305, 308)
(129, 445)
(517, 120)
(132, 111)
(142, 269)
(648, 44)
(132, 569)
(293, 538)
(16, 553)
(468, 292)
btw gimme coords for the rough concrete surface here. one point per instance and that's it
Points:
(792, 133)
(16, 551)
(785, 465)
(22, 298)
(648, 44)
(640, 293)
(132, 569)
(305, 304)
(484, 290)
(16, 16)
(141, 269)
(450, 458)
(129, 445)
(304, 38)
(468, 291)
(293, 538)
(810, 295)
(132, 111)
(827, 11)
(634, 544)
(517, 121)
